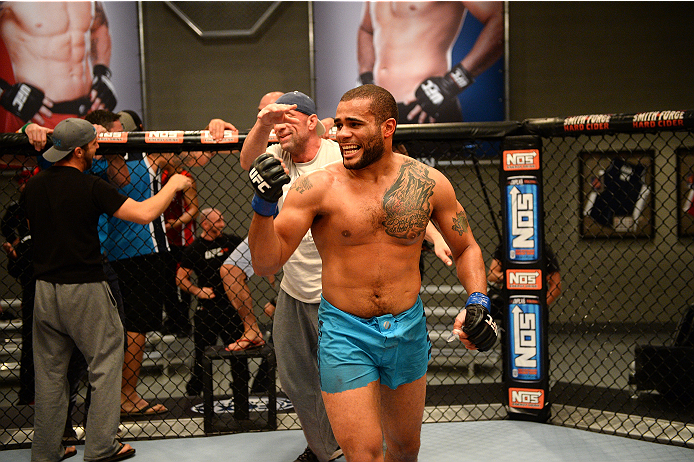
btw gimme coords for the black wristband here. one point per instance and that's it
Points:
(366, 77)
(460, 77)
(100, 69)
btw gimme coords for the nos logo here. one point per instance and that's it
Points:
(527, 159)
(524, 279)
(526, 398)
(164, 137)
(525, 338)
(523, 218)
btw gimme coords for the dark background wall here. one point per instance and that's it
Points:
(565, 58)
(190, 80)
(573, 58)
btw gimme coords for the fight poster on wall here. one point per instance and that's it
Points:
(617, 194)
(442, 61)
(63, 59)
(685, 192)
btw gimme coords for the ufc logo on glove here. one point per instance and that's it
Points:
(21, 98)
(257, 179)
(433, 92)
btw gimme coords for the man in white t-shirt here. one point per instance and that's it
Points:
(295, 326)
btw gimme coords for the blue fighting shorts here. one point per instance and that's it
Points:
(354, 351)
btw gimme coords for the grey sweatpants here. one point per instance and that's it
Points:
(295, 333)
(82, 316)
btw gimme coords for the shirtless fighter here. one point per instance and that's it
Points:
(368, 216)
(405, 47)
(54, 59)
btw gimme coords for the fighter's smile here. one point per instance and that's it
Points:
(349, 150)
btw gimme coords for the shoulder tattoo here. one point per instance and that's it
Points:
(460, 223)
(406, 202)
(302, 185)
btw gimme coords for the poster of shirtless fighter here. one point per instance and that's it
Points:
(63, 59)
(442, 61)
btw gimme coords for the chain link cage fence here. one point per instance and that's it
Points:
(618, 215)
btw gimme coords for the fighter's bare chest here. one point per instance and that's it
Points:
(400, 210)
(58, 19)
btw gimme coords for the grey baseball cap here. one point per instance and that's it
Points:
(304, 104)
(68, 135)
(130, 120)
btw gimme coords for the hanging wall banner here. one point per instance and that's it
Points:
(419, 51)
(64, 59)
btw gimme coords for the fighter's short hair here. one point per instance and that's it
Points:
(383, 104)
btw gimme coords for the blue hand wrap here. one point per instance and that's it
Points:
(263, 207)
(478, 298)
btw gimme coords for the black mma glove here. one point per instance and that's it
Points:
(479, 326)
(434, 91)
(366, 77)
(21, 99)
(267, 177)
(101, 83)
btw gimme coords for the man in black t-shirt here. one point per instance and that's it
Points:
(74, 307)
(215, 316)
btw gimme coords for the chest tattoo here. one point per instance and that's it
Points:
(406, 202)
(302, 184)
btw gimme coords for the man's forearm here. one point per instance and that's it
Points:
(488, 47)
(118, 171)
(100, 37)
(266, 252)
(191, 206)
(101, 47)
(255, 144)
(146, 211)
(160, 201)
(471, 270)
(432, 234)
(187, 285)
(366, 55)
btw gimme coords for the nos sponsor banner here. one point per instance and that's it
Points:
(522, 199)
(524, 333)
(524, 290)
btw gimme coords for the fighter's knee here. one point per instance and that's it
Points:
(361, 452)
(403, 452)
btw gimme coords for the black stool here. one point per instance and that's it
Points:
(242, 414)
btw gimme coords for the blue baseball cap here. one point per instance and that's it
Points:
(304, 104)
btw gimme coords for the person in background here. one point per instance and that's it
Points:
(134, 251)
(295, 325)
(73, 306)
(215, 316)
(180, 225)
(495, 280)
